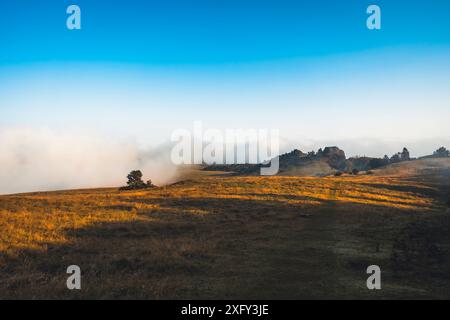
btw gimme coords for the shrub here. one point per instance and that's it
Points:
(355, 171)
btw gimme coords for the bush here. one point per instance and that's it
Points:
(355, 171)
(369, 172)
(338, 173)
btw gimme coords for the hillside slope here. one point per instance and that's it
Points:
(233, 237)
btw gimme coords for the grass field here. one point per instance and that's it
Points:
(235, 237)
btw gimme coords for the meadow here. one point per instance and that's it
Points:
(234, 237)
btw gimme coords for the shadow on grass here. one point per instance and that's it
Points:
(421, 190)
(239, 249)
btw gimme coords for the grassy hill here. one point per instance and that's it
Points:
(235, 237)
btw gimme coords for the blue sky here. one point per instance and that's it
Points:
(140, 69)
(211, 31)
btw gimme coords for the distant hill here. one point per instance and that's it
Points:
(423, 167)
(324, 162)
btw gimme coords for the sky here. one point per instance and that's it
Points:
(138, 70)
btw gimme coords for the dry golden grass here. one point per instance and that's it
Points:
(35, 220)
(216, 237)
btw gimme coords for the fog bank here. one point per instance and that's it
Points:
(43, 159)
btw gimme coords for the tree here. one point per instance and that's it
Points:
(135, 181)
(441, 152)
(378, 163)
(404, 156)
(395, 158)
